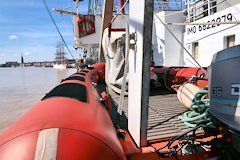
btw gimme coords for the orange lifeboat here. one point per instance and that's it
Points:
(70, 122)
(173, 76)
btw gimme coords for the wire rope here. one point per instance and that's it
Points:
(47, 8)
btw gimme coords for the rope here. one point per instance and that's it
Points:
(65, 25)
(200, 106)
(46, 6)
(68, 7)
(173, 139)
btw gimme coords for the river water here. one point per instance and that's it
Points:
(21, 88)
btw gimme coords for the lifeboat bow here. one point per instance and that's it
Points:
(70, 122)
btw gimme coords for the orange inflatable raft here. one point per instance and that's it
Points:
(70, 122)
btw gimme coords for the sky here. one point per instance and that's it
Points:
(26, 28)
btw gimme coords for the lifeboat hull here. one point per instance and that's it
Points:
(70, 122)
(170, 76)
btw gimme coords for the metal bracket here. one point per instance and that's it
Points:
(133, 41)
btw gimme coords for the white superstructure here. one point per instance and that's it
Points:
(203, 41)
(166, 50)
(90, 42)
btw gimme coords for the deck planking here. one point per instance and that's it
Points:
(164, 109)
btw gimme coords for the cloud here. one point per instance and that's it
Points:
(26, 53)
(13, 37)
(1, 54)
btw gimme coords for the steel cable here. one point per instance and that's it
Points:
(46, 6)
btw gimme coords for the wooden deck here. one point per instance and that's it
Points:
(164, 109)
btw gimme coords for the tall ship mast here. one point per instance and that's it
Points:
(60, 56)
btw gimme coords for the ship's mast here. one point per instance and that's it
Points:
(60, 54)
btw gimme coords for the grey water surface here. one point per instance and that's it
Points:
(21, 88)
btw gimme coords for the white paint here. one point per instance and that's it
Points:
(159, 40)
(47, 142)
(60, 66)
(138, 89)
(166, 50)
(93, 40)
(135, 71)
(211, 41)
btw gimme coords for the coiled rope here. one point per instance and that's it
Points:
(200, 106)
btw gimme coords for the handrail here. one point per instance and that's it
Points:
(208, 9)
(168, 5)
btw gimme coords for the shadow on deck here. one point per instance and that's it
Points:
(164, 109)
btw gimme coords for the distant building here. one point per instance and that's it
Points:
(12, 64)
(71, 61)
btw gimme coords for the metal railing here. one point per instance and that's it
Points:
(95, 7)
(168, 5)
(197, 9)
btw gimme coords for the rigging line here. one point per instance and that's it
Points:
(191, 62)
(68, 7)
(180, 44)
(46, 6)
(65, 24)
(118, 13)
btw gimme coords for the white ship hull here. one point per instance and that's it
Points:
(60, 66)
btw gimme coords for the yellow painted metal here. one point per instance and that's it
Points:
(66, 12)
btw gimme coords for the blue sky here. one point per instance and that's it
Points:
(25, 27)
